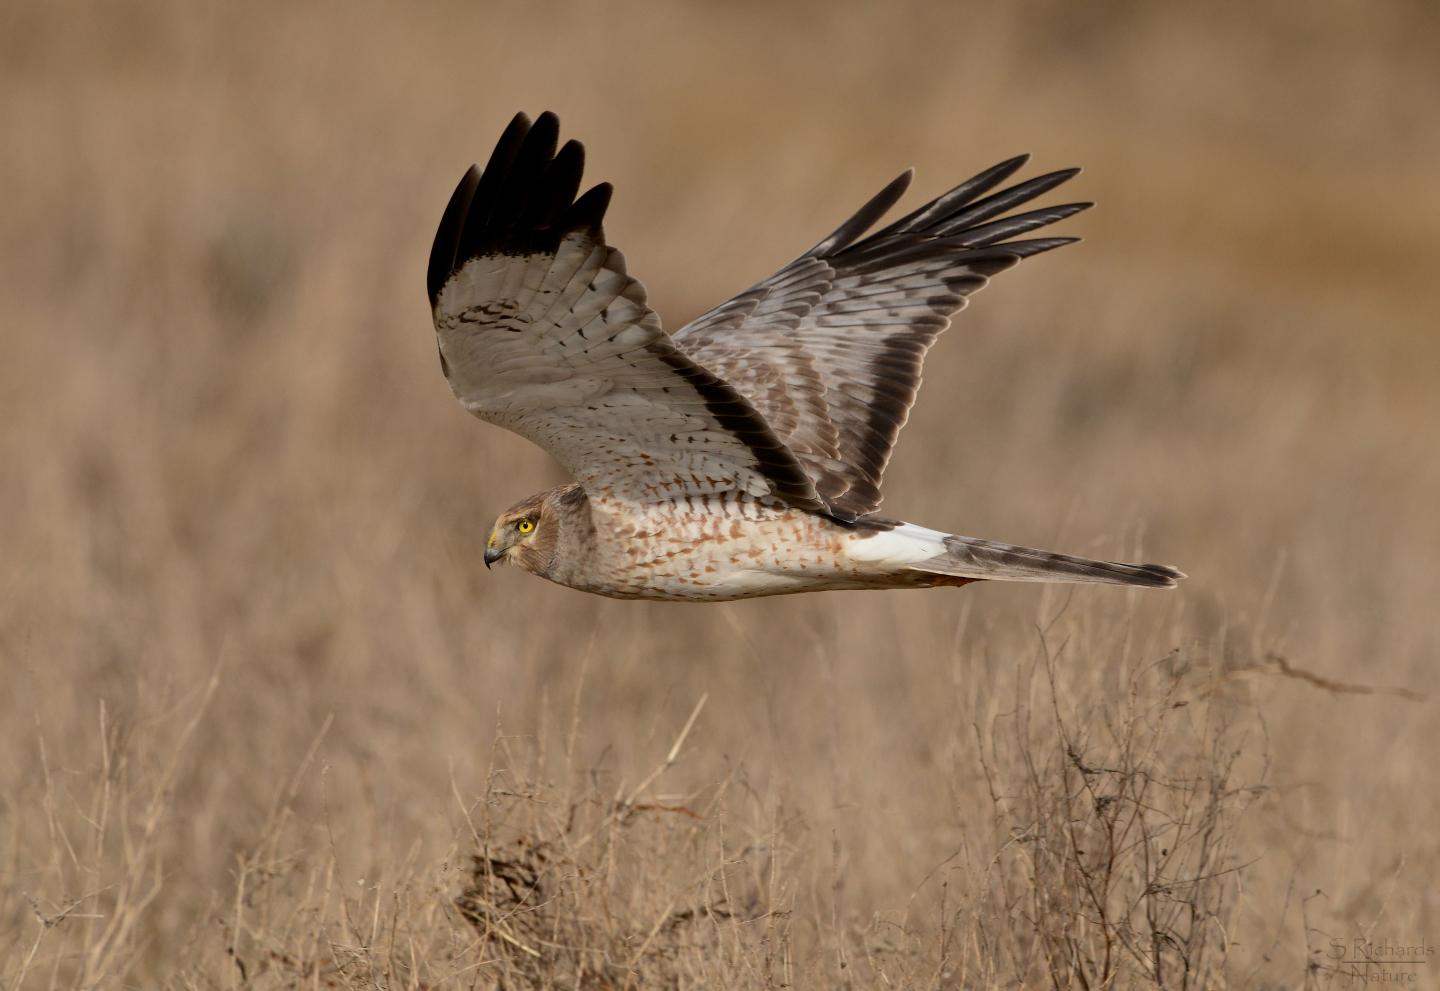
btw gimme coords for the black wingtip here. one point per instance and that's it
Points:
(588, 212)
(447, 235)
(971, 217)
(948, 203)
(1037, 246)
(560, 183)
(523, 200)
(979, 211)
(523, 170)
(865, 217)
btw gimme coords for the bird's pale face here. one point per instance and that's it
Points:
(524, 535)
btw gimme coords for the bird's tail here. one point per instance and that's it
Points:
(953, 560)
(967, 557)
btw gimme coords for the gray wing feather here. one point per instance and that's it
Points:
(830, 348)
(542, 331)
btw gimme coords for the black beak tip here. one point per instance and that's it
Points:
(491, 556)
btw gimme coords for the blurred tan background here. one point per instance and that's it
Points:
(229, 454)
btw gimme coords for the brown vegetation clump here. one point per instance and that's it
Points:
(575, 889)
(1125, 844)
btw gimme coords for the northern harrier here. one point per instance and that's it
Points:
(742, 456)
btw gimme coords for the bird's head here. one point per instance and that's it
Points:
(528, 533)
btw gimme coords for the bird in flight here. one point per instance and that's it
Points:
(741, 456)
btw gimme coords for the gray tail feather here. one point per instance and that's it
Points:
(967, 557)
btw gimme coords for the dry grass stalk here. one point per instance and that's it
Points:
(1122, 823)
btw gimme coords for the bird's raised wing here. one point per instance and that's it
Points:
(829, 349)
(541, 331)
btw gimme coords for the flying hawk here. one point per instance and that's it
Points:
(741, 456)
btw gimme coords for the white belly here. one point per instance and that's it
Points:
(715, 551)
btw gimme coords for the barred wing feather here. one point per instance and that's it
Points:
(830, 348)
(542, 331)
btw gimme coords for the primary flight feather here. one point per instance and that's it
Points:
(742, 456)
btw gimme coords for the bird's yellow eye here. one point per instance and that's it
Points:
(525, 526)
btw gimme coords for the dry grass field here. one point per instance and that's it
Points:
(265, 721)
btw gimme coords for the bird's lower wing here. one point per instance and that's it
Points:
(542, 331)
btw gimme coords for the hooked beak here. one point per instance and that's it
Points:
(492, 554)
